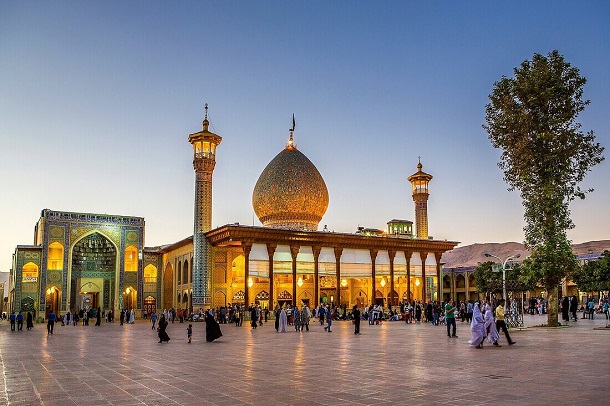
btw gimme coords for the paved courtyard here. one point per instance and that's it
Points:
(393, 363)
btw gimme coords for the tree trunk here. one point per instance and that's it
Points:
(552, 306)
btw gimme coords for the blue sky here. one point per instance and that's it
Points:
(97, 101)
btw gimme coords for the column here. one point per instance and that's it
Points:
(373, 274)
(467, 285)
(316, 276)
(423, 256)
(270, 251)
(247, 247)
(439, 282)
(391, 254)
(338, 252)
(294, 251)
(408, 255)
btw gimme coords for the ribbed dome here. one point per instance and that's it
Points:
(290, 193)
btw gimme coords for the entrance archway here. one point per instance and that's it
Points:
(150, 305)
(93, 262)
(52, 300)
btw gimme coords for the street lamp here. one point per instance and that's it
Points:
(487, 254)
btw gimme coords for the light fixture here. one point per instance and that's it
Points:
(300, 282)
(250, 282)
(344, 282)
(382, 283)
(127, 290)
(417, 282)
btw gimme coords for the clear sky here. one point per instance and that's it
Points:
(97, 100)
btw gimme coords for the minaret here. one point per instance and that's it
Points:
(204, 159)
(419, 182)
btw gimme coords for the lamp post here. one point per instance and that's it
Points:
(487, 254)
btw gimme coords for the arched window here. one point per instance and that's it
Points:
(29, 272)
(131, 258)
(55, 256)
(179, 273)
(150, 274)
(185, 272)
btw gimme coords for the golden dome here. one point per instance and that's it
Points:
(290, 193)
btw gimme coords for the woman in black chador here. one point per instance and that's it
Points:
(162, 326)
(565, 309)
(29, 321)
(98, 320)
(212, 329)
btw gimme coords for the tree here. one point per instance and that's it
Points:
(531, 117)
(594, 275)
(489, 281)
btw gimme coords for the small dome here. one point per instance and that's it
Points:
(290, 193)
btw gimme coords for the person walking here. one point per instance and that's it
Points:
(51, 322)
(283, 321)
(500, 324)
(162, 330)
(477, 327)
(296, 315)
(13, 319)
(574, 307)
(153, 320)
(490, 327)
(450, 318)
(98, 319)
(469, 308)
(20, 321)
(253, 317)
(565, 309)
(357, 317)
(305, 315)
(329, 319)
(212, 328)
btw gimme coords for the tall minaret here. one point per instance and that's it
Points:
(419, 182)
(204, 159)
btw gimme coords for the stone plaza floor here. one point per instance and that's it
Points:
(393, 363)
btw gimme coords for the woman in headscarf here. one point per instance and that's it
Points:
(297, 318)
(477, 327)
(276, 312)
(162, 326)
(490, 326)
(29, 321)
(283, 321)
(212, 328)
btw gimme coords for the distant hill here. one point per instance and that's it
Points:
(471, 255)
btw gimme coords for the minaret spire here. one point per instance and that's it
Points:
(291, 144)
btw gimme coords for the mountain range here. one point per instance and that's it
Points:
(471, 255)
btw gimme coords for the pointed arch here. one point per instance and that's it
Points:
(168, 286)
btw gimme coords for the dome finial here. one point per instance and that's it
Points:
(291, 144)
(419, 165)
(206, 123)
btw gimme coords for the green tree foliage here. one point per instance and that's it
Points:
(594, 275)
(531, 117)
(489, 281)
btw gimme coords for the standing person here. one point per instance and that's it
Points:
(450, 318)
(277, 318)
(266, 314)
(591, 305)
(162, 329)
(296, 314)
(237, 316)
(253, 317)
(356, 314)
(417, 312)
(305, 315)
(13, 319)
(565, 309)
(283, 321)
(189, 332)
(500, 324)
(20, 321)
(574, 307)
(98, 319)
(153, 320)
(29, 321)
(462, 311)
(490, 327)
(132, 317)
(122, 317)
(212, 328)
(329, 319)
(321, 313)
(477, 327)
(469, 308)
(51, 322)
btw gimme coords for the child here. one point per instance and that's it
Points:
(189, 332)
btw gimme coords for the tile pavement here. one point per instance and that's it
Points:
(393, 363)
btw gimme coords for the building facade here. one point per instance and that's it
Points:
(83, 260)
